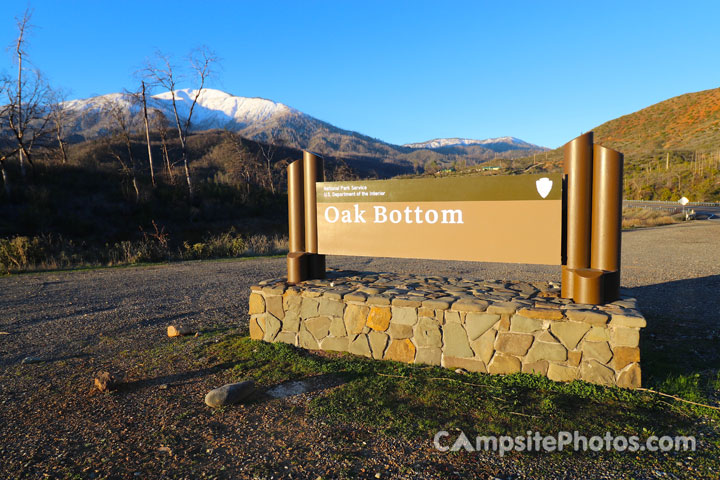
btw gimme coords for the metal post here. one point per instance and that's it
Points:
(607, 218)
(296, 259)
(578, 168)
(313, 172)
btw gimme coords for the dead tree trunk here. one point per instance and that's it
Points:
(147, 134)
(6, 180)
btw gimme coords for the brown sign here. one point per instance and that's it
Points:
(513, 219)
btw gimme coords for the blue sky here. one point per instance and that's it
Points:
(542, 71)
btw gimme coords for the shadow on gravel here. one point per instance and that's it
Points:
(172, 380)
(682, 337)
(307, 385)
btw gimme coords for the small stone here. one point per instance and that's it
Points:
(379, 318)
(291, 322)
(427, 333)
(623, 356)
(561, 373)
(574, 358)
(470, 305)
(504, 364)
(436, 304)
(522, 324)
(360, 346)
(540, 367)
(513, 343)
(286, 337)
(335, 344)
(378, 342)
(546, 351)
(400, 331)
(598, 334)
(540, 313)
(625, 337)
(256, 329)
(337, 327)
(595, 372)
(451, 316)
(484, 346)
(31, 360)
(355, 318)
(503, 307)
(569, 333)
(405, 302)
(599, 351)
(597, 319)
(274, 305)
(256, 304)
(378, 300)
(179, 331)
(404, 315)
(478, 323)
(229, 394)
(272, 327)
(455, 341)
(318, 326)
(307, 341)
(104, 382)
(630, 377)
(401, 351)
(627, 320)
(465, 364)
(292, 302)
(309, 307)
(428, 356)
(331, 308)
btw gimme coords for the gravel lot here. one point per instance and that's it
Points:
(86, 320)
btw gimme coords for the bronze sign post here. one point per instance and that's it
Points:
(591, 267)
(303, 261)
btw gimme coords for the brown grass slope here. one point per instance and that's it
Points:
(686, 122)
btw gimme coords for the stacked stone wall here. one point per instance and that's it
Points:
(481, 326)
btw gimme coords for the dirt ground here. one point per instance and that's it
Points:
(155, 425)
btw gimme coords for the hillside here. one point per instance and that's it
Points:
(672, 149)
(686, 122)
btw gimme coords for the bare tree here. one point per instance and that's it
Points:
(269, 147)
(7, 144)
(163, 73)
(160, 123)
(26, 112)
(58, 117)
(122, 129)
(147, 132)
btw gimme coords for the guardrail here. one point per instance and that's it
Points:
(689, 204)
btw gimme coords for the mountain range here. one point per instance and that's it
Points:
(272, 122)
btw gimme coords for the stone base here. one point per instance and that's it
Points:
(482, 326)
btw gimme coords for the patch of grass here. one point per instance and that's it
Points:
(48, 252)
(414, 400)
(643, 217)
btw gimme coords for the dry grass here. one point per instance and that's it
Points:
(643, 217)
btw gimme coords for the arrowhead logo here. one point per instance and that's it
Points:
(544, 185)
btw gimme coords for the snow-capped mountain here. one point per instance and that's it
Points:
(268, 121)
(507, 143)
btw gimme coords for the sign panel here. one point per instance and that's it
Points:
(510, 219)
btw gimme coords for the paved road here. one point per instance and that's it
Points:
(704, 210)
